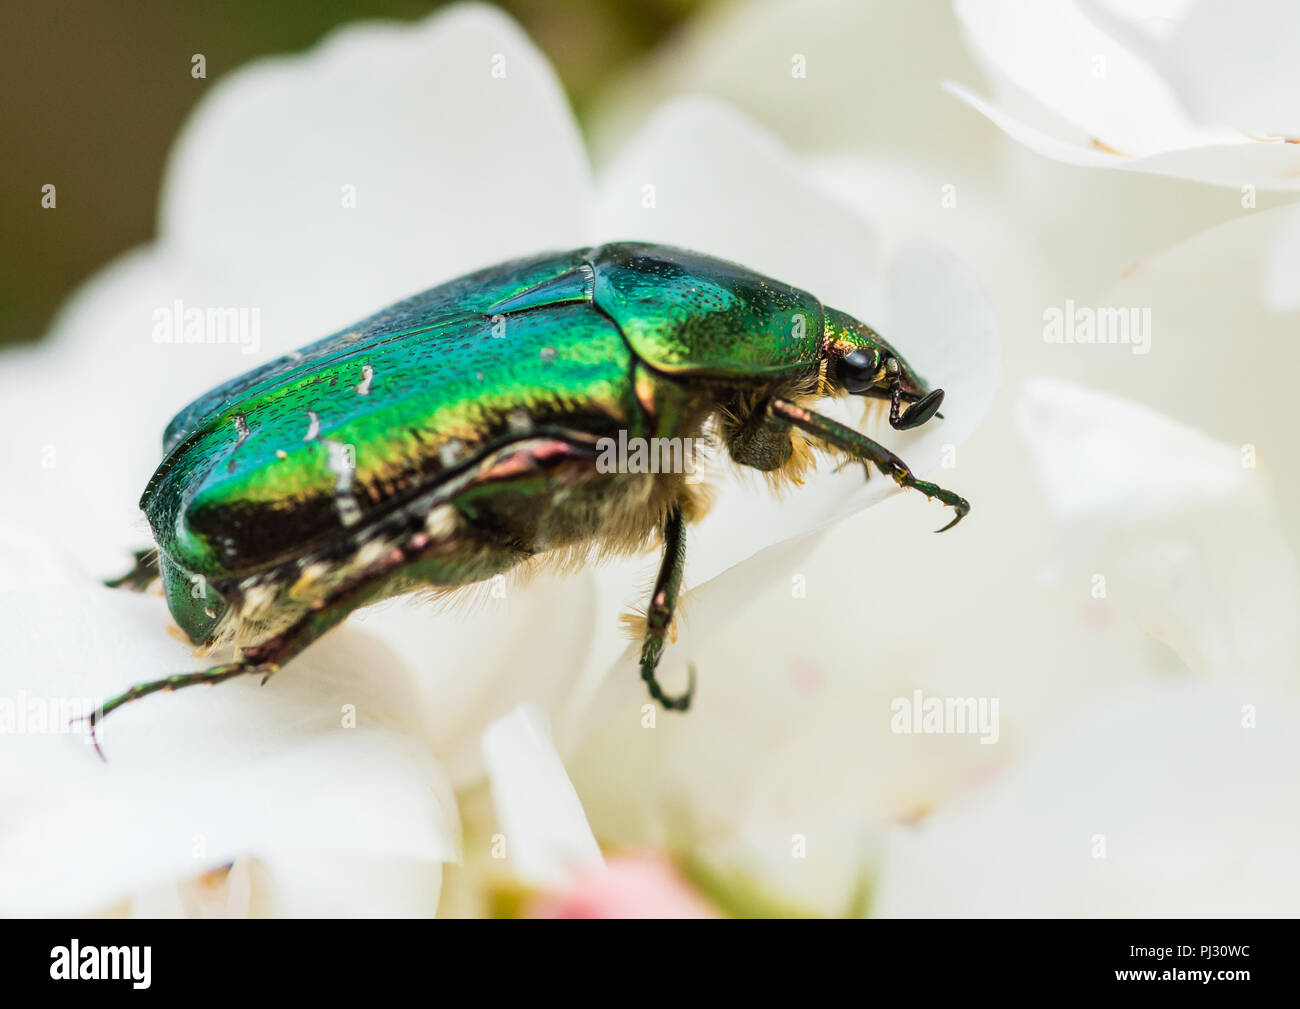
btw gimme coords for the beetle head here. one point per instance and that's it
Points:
(862, 363)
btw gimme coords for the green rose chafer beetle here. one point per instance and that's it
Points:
(454, 436)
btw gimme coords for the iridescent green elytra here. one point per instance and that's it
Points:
(454, 436)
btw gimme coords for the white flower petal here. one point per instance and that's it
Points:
(83, 415)
(824, 75)
(1052, 51)
(311, 884)
(1206, 307)
(1231, 62)
(1264, 165)
(197, 778)
(474, 661)
(1181, 532)
(434, 124)
(1282, 270)
(701, 176)
(789, 741)
(1158, 802)
(541, 818)
(1107, 85)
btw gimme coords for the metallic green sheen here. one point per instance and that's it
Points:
(304, 451)
(686, 313)
(449, 376)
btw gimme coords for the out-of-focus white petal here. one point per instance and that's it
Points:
(842, 628)
(1220, 360)
(29, 562)
(223, 892)
(313, 884)
(1178, 528)
(83, 415)
(1052, 51)
(1282, 269)
(436, 126)
(541, 818)
(824, 75)
(1237, 163)
(1230, 62)
(474, 661)
(1167, 800)
(1101, 458)
(701, 176)
(787, 770)
(1094, 84)
(317, 761)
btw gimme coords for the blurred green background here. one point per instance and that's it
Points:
(94, 93)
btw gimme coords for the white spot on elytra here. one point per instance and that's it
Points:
(312, 571)
(258, 598)
(442, 521)
(451, 452)
(342, 463)
(369, 553)
(367, 376)
(241, 429)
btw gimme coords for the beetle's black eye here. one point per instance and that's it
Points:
(858, 369)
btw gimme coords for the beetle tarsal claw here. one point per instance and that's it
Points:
(961, 508)
(670, 702)
(92, 721)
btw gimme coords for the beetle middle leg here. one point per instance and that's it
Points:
(859, 446)
(659, 615)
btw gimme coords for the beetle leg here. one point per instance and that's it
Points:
(263, 659)
(266, 657)
(141, 576)
(659, 615)
(209, 676)
(861, 447)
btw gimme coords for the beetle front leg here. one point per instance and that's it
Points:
(859, 446)
(659, 615)
(141, 576)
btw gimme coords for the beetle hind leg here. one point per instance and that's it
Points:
(142, 574)
(659, 614)
(211, 676)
